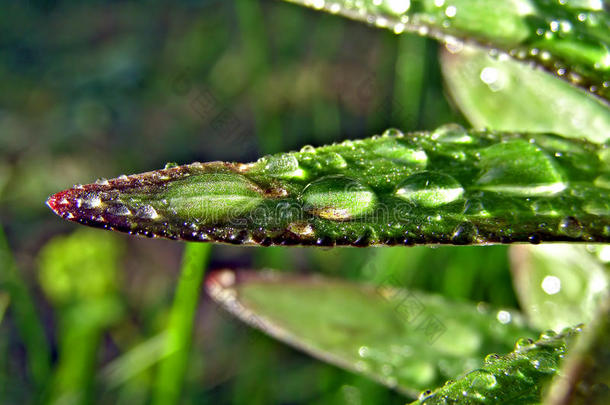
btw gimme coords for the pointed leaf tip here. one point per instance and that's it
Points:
(451, 186)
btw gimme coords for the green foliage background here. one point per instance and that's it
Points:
(95, 89)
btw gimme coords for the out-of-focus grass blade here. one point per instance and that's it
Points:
(404, 339)
(446, 186)
(502, 94)
(585, 377)
(558, 285)
(5, 298)
(517, 378)
(23, 310)
(566, 38)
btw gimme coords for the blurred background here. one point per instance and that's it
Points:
(96, 89)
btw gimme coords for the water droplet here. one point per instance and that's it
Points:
(393, 149)
(570, 227)
(119, 210)
(523, 343)
(102, 182)
(285, 166)
(491, 358)
(430, 189)
(338, 198)
(334, 160)
(90, 201)
(308, 149)
(544, 364)
(146, 212)
(451, 133)
(475, 207)
(551, 285)
(518, 167)
(123, 177)
(482, 380)
(464, 234)
(425, 394)
(503, 317)
(393, 132)
(170, 165)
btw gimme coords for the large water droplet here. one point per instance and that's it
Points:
(334, 160)
(395, 150)
(338, 198)
(482, 380)
(451, 133)
(430, 189)
(517, 167)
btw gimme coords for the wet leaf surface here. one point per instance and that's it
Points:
(450, 186)
(405, 339)
(514, 379)
(567, 38)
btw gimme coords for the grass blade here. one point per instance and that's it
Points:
(178, 337)
(568, 41)
(449, 186)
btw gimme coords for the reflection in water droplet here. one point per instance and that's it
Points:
(146, 212)
(430, 189)
(338, 198)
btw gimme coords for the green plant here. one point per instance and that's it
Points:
(447, 186)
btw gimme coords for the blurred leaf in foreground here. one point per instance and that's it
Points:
(404, 339)
(79, 275)
(567, 38)
(502, 94)
(446, 186)
(515, 379)
(558, 285)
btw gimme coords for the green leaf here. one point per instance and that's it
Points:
(558, 285)
(569, 39)
(447, 186)
(514, 379)
(502, 94)
(405, 339)
(585, 376)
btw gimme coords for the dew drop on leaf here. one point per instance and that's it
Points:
(338, 198)
(570, 227)
(146, 212)
(518, 168)
(430, 189)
